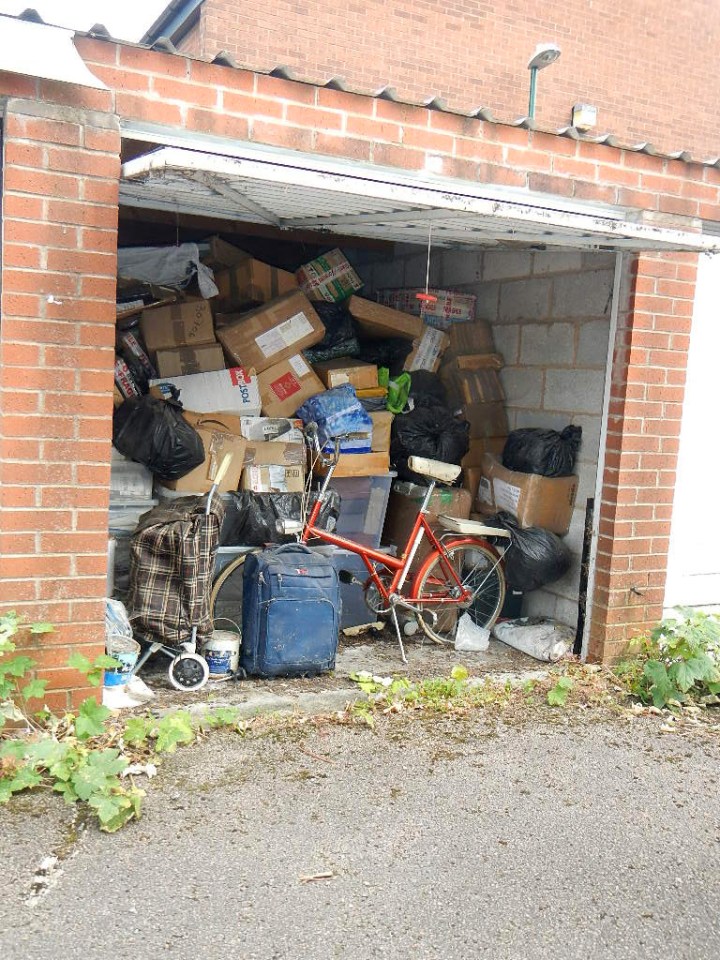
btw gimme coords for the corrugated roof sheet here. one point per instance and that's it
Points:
(432, 102)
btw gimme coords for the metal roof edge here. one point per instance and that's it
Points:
(170, 20)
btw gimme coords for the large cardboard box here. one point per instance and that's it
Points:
(470, 338)
(274, 467)
(275, 332)
(381, 431)
(329, 277)
(485, 419)
(186, 360)
(226, 391)
(218, 441)
(251, 282)
(378, 321)
(536, 501)
(403, 505)
(179, 325)
(449, 306)
(479, 447)
(286, 386)
(427, 351)
(473, 386)
(271, 429)
(357, 373)
(357, 465)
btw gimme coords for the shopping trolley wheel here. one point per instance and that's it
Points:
(188, 671)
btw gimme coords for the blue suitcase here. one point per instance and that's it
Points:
(291, 612)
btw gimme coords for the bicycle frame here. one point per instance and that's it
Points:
(400, 566)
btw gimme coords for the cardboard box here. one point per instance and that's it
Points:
(179, 325)
(536, 501)
(186, 360)
(381, 431)
(250, 282)
(274, 467)
(329, 277)
(473, 386)
(124, 380)
(485, 419)
(470, 338)
(275, 332)
(286, 386)
(227, 391)
(378, 321)
(471, 477)
(479, 447)
(471, 362)
(361, 375)
(427, 351)
(358, 465)
(135, 357)
(403, 505)
(272, 478)
(215, 420)
(450, 306)
(218, 443)
(221, 254)
(272, 429)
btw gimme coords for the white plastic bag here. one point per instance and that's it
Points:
(538, 637)
(470, 638)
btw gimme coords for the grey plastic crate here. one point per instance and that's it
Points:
(363, 505)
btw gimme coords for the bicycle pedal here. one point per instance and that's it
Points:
(345, 576)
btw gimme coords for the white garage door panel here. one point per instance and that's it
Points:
(694, 563)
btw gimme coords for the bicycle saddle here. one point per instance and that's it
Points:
(434, 469)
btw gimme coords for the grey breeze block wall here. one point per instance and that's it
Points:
(550, 314)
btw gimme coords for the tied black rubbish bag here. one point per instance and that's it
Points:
(535, 558)
(389, 352)
(431, 432)
(251, 518)
(427, 389)
(545, 452)
(153, 432)
(340, 339)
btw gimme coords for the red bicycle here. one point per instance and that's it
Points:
(463, 573)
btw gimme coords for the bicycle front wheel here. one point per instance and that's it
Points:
(479, 569)
(227, 591)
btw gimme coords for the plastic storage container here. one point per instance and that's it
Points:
(129, 480)
(362, 507)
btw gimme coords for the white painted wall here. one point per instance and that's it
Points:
(694, 561)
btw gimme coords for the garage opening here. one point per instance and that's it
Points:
(543, 285)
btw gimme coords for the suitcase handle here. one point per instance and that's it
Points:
(292, 548)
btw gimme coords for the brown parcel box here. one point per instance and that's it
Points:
(184, 360)
(272, 333)
(286, 386)
(361, 375)
(381, 430)
(274, 467)
(536, 501)
(470, 338)
(403, 505)
(375, 320)
(179, 325)
(479, 447)
(251, 282)
(219, 436)
(358, 465)
(485, 419)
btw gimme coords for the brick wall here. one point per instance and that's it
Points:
(647, 392)
(59, 209)
(649, 67)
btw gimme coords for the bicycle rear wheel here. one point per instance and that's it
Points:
(227, 591)
(478, 568)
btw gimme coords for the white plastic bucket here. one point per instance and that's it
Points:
(222, 652)
(126, 652)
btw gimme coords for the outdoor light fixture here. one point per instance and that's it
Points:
(545, 54)
(584, 116)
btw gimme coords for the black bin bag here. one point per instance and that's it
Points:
(427, 431)
(251, 518)
(535, 557)
(548, 453)
(153, 432)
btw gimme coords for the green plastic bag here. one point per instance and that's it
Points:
(398, 389)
